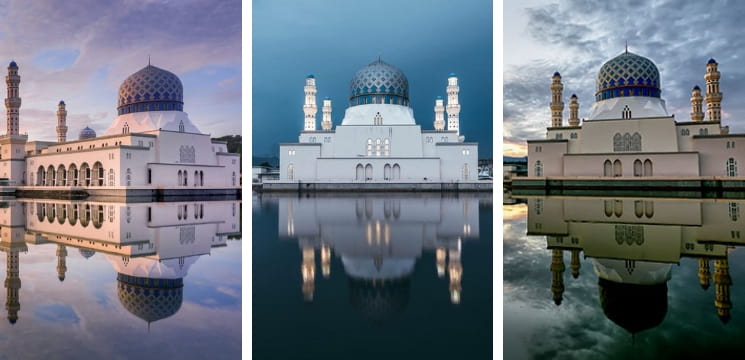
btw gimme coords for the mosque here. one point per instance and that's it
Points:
(151, 147)
(629, 133)
(378, 140)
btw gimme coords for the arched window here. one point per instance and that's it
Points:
(51, 176)
(72, 175)
(626, 142)
(359, 173)
(369, 147)
(731, 167)
(387, 147)
(186, 178)
(291, 172)
(638, 208)
(637, 167)
(647, 167)
(180, 178)
(617, 142)
(617, 168)
(538, 168)
(636, 142)
(607, 168)
(378, 147)
(608, 205)
(387, 172)
(181, 126)
(649, 209)
(618, 207)
(61, 176)
(368, 172)
(40, 176)
(201, 178)
(112, 180)
(129, 177)
(196, 178)
(396, 172)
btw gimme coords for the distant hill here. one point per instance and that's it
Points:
(513, 159)
(273, 161)
(234, 142)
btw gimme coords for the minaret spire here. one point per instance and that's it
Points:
(573, 111)
(557, 105)
(713, 96)
(309, 108)
(453, 107)
(326, 122)
(697, 113)
(61, 122)
(13, 101)
(439, 114)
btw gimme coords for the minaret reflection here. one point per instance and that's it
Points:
(704, 274)
(61, 262)
(378, 239)
(557, 275)
(722, 284)
(13, 280)
(574, 263)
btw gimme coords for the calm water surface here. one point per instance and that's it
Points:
(403, 276)
(622, 278)
(95, 280)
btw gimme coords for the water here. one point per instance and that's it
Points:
(400, 276)
(95, 280)
(620, 278)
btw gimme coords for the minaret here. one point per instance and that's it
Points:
(310, 108)
(722, 284)
(574, 263)
(439, 114)
(326, 261)
(557, 275)
(713, 96)
(573, 111)
(326, 122)
(453, 107)
(697, 112)
(557, 105)
(61, 262)
(455, 272)
(308, 270)
(61, 122)
(13, 101)
(704, 274)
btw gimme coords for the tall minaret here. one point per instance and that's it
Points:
(557, 105)
(439, 114)
(713, 96)
(326, 122)
(573, 111)
(310, 108)
(61, 122)
(557, 275)
(697, 112)
(13, 101)
(453, 107)
(61, 262)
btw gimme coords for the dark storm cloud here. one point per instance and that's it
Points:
(580, 35)
(427, 40)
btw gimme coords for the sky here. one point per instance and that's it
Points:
(81, 51)
(332, 39)
(576, 37)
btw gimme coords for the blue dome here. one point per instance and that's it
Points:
(86, 253)
(61, 102)
(712, 61)
(451, 75)
(13, 64)
(151, 89)
(310, 76)
(379, 83)
(628, 75)
(150, 299)
(86, 133)
(696, 88)
(557, 74)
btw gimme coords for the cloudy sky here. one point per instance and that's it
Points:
(81, 51)
(576, 37)
(427, 40)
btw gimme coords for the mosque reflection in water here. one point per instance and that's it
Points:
(633, 244)
(150, 245)
(379, 240)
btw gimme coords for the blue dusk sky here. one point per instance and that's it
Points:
(576, 37)
(81, 51)
(332, 39)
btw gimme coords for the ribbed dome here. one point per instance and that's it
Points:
(13, 64)
(628, 75)
(150, 299)
(86, 133)
(379, 83)
(86, 253)
(151, 89)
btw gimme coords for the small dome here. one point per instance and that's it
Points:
(574, 96)
(557, 74)
(439, 97)
(150, 89)
(633, 307)
(451, 74)
(711, 61)
(310, 76)
(628, 74)
(696, 88)
(61, 102)
(379, 83)
(87, 253)
(86, 133)
(13, 64)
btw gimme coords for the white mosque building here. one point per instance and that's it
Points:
(378, 140)
(151, 147)
(629, 133)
